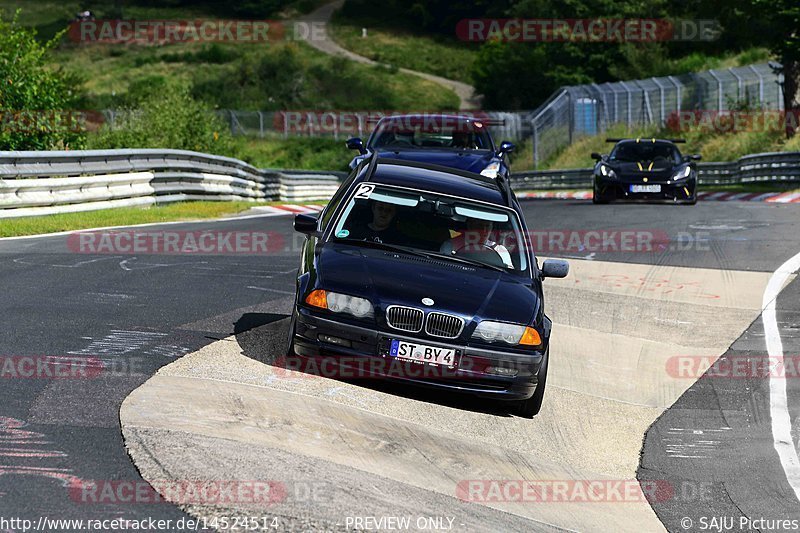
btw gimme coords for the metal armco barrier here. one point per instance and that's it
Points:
(42, 183)
(775, 167)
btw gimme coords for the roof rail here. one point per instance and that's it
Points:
(644, 140)
(486, 121)
(373, 164)
(505, 187)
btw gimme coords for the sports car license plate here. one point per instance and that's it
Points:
(645, 188)
(421, 353)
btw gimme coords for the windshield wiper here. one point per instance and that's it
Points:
(419, 253)
(382, 246)
(464, 260)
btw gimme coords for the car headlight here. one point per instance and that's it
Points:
(684, 173)
(341, 303)
(491, 170)
(491, 331)
(607, 171)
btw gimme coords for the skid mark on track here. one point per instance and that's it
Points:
(16, 443)
(693, 443)
(123, 342)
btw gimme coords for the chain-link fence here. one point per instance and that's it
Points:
(581, 110)
(570, 113)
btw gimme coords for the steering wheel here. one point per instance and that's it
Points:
(495, 259)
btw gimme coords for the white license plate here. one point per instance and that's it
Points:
(422, 353)
(645, 188)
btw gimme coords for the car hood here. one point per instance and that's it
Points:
(472, 161)
(390, 278)
(659, 170)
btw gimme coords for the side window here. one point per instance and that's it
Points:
(330, 209)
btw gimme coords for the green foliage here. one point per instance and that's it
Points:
(293, 76)
(35, 100)
(167, 117)
(308, 153)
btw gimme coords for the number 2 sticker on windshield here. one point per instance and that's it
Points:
(364, 191)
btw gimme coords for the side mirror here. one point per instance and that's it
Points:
(695, 157)
(555, 268)
(305, 224)
(506, 147)
(356, 144)
(596, 156)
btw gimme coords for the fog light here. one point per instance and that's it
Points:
(502, 371)
(335, 340)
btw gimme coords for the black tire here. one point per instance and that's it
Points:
(597, 199)
(290, 337)
(531, 407)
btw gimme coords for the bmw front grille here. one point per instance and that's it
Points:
(445, 326)
(405, 318)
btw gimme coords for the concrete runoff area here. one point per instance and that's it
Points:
(606, 387)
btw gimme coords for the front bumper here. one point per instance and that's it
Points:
(620, 189)
(364, 354)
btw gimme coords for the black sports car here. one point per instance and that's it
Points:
(426, 273)
(645, 169)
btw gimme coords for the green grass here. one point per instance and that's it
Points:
(249, 77)
(425, 53)
(295, 152)
(123, 216)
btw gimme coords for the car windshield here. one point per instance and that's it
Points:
(433, 224)
(631, 152)
(429, 133)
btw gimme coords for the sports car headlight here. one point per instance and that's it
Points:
(490, 331)
(341, 303)
(492, 170)
(684, 173)
(607, 171)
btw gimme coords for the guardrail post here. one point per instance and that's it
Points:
(535, 137)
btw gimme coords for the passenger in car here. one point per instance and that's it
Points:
(382, 227)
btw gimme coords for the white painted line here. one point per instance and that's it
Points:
(778, 402)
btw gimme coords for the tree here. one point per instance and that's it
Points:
(782, 17)
(36, 101)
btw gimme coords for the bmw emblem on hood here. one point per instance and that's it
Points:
(427, 301)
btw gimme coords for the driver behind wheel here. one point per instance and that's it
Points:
(477, 239)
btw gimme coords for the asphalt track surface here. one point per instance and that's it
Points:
(137, 313)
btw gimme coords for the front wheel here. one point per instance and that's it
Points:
(531, 407)
(597, 199)
(292, 325)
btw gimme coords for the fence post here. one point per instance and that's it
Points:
(678, 96)
(719, 89)
(261, 124)
(760, 85)
(628, 94)
(570, 116)
(535, 137)
(740, 85)
(663, 102)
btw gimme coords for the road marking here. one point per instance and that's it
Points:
(778, 403)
